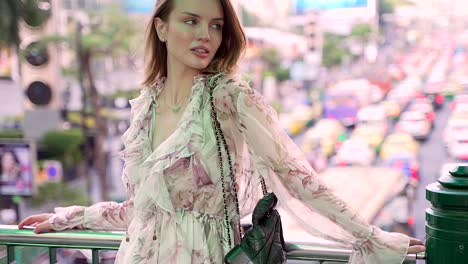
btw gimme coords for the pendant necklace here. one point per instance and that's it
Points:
(176, 108)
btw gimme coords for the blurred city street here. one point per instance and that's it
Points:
(374, 93)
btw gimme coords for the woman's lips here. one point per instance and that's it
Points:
(201, 53)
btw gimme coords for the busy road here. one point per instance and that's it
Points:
(433, 127)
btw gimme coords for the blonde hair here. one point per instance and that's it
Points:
(225, 60)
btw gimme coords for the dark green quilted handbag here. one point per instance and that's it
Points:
(264, 242)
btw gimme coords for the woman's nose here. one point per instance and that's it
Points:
(203, 33)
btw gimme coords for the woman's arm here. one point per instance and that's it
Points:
(102, 216)
(301, 192)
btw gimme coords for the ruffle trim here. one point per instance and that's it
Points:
(183, 143)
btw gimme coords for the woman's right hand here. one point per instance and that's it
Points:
(40, 222)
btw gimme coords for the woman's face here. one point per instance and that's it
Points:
(193, 33)
(8, 161)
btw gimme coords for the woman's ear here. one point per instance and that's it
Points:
(161, 29)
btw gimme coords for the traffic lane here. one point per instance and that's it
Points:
(432, 155)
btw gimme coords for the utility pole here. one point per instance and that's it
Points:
(86, 148)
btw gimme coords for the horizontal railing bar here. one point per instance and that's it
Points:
(11, 235)
(110, 240)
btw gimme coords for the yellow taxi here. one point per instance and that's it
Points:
(330, 132)
(371, 134)
(297, 120)
(398, 143)
(291, 124)
(392, 108)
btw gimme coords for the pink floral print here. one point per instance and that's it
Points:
(174, 213)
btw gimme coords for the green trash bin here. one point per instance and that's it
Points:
(447, 219)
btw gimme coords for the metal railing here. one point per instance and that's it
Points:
(12, 237)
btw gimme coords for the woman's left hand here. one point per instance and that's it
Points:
(416, 246)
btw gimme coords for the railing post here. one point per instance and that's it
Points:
(10, 254)
(447, 219)
(52, 255)
(95, 256)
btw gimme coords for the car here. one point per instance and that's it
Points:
(374, 136)
(305, 114)
(291, 125)
(406, 163)
(392, 108)
(373, 116)
(330, 132)
(355, 152)
(414, 123)
(460, 108)
(378, 193)
(425, 106)
(398, 143)
(437, 99)
(457, 100)
(458, 146)
(454, 125)
(405, 91)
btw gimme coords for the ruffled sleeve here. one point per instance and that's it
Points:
(112, 215)
(100, 216)
(305, 198)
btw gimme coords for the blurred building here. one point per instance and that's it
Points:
(270, 12)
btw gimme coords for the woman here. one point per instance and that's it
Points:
(175, 209)
(10, 167)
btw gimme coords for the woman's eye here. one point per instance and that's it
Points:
(190, 22)
(217, 26)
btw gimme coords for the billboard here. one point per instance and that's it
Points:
(307, 5)
(140, 6)
(17, 167)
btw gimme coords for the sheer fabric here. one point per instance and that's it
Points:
(177, 184)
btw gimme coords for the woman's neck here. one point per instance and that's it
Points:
(178, 83)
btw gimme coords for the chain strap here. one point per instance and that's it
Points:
(220, 137)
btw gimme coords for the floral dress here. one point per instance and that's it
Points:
(174, 213)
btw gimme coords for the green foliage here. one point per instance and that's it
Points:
(113, 33)
(333, 52)
(33, 15)
(361, 31)
(385, 7)
(64, 145)
(61, 193)
(12, 12)
(249, 19)
(282, 74)
(272, 59)
(11, 134)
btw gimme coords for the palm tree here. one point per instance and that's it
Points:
(112, 36)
